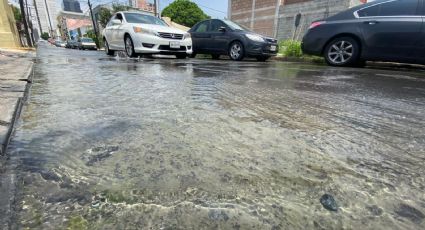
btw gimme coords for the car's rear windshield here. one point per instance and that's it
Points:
(86, 40)
(235, 26)
(143, 19)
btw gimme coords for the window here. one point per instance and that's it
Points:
(203, 27)
(143, 19)
(216, 25)
(235, 26)
(392, 8)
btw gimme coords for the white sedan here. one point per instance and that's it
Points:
(138, 33)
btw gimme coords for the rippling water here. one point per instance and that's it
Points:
(196, 144)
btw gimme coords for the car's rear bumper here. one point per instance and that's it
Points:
(261, 49)
(149, 44)
(312, 44)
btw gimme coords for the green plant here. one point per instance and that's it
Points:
(290, 48)
(45, 36)
(104, 16)
(17, 13)
(184, 12)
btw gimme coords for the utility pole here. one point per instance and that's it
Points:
(94, 23)
(24, 18)
(156, 3)
(38, 17)
(48, 16)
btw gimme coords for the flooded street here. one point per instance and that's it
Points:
(107, 143)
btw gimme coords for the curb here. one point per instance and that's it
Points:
(18, 108)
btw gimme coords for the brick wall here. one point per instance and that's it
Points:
(311, 10)
(262, 20)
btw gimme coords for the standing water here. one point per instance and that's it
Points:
(199, 144)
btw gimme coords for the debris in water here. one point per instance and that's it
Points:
(410, 213)
(329, 202)
(99, 154)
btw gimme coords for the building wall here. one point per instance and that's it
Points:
(8, 33)
(53, 10)
(258, 15)
(311, 10)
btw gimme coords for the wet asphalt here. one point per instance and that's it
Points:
(160, 143)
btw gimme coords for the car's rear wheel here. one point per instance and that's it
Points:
(263, 58)
(107, 50)
(343, 51)
(129, 47)
(215, 56)
(236, 51)
(181, 56)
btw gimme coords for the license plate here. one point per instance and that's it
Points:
(272, 48)
(175, 45)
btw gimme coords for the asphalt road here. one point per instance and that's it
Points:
(114, 143)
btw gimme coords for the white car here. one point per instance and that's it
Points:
(138, 33)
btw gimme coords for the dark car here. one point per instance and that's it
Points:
(224, 37)
(86, 43)
(382, 30)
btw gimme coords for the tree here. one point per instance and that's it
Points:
(104, 16)
(184, 12)
(17, 13)
(45, 36)
(119, 7)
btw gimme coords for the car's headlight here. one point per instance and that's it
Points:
(144, 31)
(187, 35)
(254, 37)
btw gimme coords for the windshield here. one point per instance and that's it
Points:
(143, 19)
(235, 26)
(87, 40)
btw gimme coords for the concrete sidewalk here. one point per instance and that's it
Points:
(16, 68)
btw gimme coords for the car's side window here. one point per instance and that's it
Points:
(391, 8)
(216, 25)
(203, 27)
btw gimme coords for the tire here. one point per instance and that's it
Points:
(129, 47)
(342, 51)
(181, 56)
(107, 50)
(236, 51)
(263, 58)
(215, 56)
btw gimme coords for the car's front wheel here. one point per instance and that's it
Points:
(343, 51)
(129, 47)
(107, 50)
(236, 51)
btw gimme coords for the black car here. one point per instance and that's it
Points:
(224, 37)
(382, 30)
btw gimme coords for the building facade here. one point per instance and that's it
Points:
(71, 6)
(276, 18)
(143, 5)
(48, 11)
(8, 32)
(258, 15)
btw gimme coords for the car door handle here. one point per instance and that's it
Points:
(371, 22)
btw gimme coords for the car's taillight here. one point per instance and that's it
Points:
(316, 24)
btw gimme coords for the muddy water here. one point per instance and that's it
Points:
(108, 143)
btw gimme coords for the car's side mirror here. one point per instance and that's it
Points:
(116, 22)
(222, 29)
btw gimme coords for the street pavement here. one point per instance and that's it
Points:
(115, 143)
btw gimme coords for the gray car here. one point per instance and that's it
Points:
(86, 43)
(382, 30)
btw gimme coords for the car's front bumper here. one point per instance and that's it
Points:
(261, 48)
(149, 44)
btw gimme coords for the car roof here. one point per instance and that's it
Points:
(349, 12)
